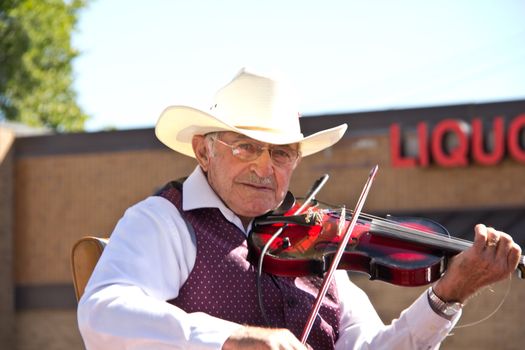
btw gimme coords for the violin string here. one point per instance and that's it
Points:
(393, 222)
(412, 234)
(396, 230)
(498, 307)
(436, 236)
(430, 236)
(433, 234)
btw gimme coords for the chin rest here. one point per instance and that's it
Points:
(84, 256)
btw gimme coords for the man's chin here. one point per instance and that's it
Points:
(254, 212)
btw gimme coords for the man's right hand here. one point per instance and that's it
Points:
(263, 339)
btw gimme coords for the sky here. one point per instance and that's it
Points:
(138, 57)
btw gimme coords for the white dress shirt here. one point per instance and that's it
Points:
(151, 254)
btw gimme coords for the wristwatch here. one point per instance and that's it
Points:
(444, 309)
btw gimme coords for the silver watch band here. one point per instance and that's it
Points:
(444, 309)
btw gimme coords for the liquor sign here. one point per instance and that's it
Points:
(470, 143)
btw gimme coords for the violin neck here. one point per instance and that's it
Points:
(433, 240)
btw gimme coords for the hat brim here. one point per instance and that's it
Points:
(178, 124)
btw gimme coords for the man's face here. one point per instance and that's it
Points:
(248, 187)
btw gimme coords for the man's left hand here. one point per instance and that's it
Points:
(493, 257)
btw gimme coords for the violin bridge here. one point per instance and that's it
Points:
(342, 221)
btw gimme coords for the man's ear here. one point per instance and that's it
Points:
(198, 143)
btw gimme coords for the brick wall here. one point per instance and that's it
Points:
(7, 312)
(61, 198)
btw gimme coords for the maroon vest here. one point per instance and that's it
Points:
(223, 282)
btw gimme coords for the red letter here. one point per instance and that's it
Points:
(422, 134)
(514, 138)
(479, 142)
(456, 156)
(396, 149)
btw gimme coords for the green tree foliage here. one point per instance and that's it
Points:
(36, 73)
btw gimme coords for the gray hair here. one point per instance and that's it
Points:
(209, 138)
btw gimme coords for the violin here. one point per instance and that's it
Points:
(309, 239)
(402, 251)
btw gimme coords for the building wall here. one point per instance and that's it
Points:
(69, 186)
(408, 189)
(71, 196)
(7, 311)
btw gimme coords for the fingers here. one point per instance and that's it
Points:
(493, 237)
(480, 237)
(504, 253)
(513, 256)
(489, 238)
(499, 246)
(262, 338)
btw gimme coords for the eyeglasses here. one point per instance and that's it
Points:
(282, 156)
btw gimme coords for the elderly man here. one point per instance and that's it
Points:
(175, 274)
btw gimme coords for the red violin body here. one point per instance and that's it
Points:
(309, 240)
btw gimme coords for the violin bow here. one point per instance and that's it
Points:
(338, 255)
(310, 196)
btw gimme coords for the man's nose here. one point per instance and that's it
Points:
(263, 165)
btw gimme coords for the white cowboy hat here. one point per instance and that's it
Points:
(253, 105)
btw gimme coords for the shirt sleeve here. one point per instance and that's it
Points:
(147, 260)
(418, 326)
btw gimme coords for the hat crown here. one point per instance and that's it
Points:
(257, 106)
(255, 102)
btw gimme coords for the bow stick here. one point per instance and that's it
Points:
(338, 255)
(309, 198)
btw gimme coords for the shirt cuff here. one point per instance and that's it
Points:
(436, 327)
(210, 332)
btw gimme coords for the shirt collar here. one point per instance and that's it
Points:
(199, 194)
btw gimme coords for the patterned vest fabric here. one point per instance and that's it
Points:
(223, 282)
